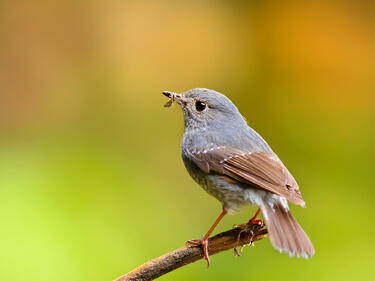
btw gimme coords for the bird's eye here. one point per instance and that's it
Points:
(200, 105)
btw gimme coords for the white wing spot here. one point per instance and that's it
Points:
(207, 150)
(235, 156)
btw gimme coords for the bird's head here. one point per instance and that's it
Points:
(203, 107)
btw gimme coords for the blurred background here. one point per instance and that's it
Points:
(91, 180)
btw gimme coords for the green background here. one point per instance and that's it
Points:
(91, 180)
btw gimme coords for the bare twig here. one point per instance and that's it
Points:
(236, 237)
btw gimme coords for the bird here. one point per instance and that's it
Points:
(234, 164)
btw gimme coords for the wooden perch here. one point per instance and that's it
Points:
(236, 237)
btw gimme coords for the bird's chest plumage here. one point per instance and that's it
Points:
(200, 140)
(203, 179)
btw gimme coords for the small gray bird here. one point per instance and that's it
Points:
(234, 164)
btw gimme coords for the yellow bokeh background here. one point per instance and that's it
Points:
(91, 180)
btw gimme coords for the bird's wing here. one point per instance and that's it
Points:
(259, 169)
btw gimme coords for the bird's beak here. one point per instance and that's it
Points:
(168, 94)
(172, 97)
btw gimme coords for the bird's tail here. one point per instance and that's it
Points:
(285, 233)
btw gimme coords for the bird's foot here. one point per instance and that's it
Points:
(201, 242)
(255, 221)
(249, 225)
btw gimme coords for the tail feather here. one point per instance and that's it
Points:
(285, 233)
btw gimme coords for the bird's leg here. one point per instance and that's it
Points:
(254, 219)
(204, 240)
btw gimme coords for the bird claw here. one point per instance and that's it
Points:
(194, 242)
(256, 221)
(201, 242)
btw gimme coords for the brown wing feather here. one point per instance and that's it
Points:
(259, 169)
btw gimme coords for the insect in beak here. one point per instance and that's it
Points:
(172, 97)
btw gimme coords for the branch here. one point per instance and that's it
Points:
(236, 237)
